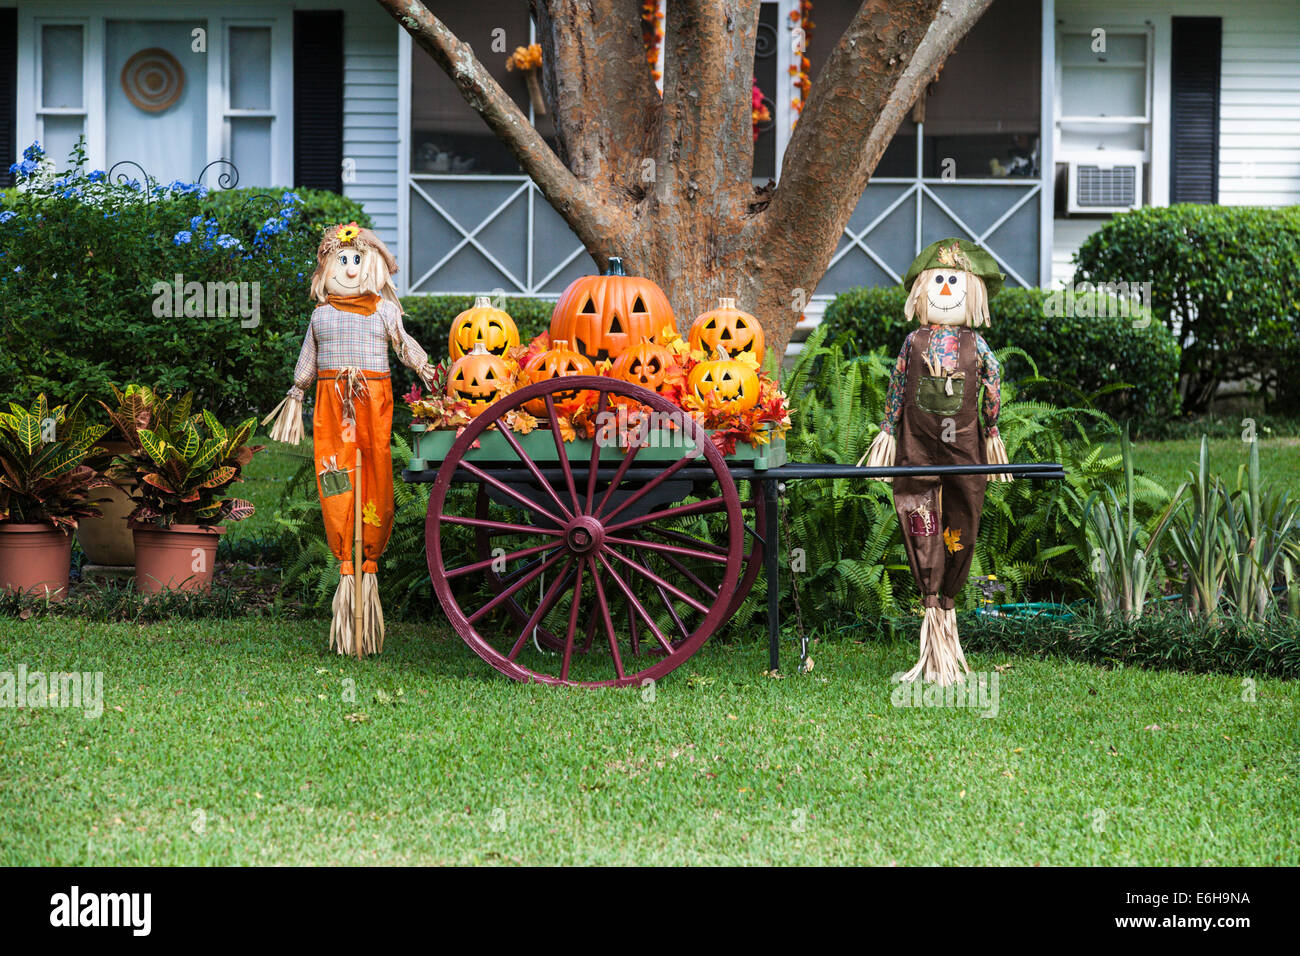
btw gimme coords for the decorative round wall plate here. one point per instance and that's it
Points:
(153, 79)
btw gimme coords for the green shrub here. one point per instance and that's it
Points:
(1088, 355)
(80, 258)
(1224, 278)
(86, 267)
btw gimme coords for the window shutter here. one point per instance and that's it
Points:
(1197, 44)
(8, 93)
(318, 99)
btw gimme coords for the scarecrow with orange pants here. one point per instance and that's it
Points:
(345, 354)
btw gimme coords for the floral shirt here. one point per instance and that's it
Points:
(942, 352)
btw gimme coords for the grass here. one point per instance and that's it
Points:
(236, 743)
(1169, 461)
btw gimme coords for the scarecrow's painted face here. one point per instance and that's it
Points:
(945, 297)
(352, 271)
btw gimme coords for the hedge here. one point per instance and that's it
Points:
(80, 258)
(1084, 346)
(1225, 279)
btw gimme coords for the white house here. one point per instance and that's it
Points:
(1050, 116)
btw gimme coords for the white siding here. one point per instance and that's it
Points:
(1259, 110)
(370, 128)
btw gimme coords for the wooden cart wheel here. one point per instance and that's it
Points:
(754, 516)
(579, 547)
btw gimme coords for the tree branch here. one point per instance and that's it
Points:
(855, 107)
(606, 107)
(707, 144)
(587, 211)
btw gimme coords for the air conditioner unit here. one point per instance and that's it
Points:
(1105, 185)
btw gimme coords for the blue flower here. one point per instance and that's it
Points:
(196, 223)
(182, 237)
(289, 199)
(25, 169)
(227, 241)
(7, 215)
(34, 151)
(72, 192)
(97, 176)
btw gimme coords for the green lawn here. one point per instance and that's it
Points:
(1170, 461)
(233, 742)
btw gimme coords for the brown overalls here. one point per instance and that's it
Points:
(940, 516)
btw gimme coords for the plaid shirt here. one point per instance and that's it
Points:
(337, 339)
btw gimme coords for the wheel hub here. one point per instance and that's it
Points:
(584, 534)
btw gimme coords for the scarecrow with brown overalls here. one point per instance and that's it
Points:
(933, 417)
(345, 354)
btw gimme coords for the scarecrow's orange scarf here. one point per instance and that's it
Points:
(364, 304)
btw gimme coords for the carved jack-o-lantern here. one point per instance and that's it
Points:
(559, 361)
(645, 364)
(732, 381)
(485, 324)
(477, 378)
(729, 328)
(603, 316)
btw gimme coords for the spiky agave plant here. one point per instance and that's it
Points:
(1125, 551)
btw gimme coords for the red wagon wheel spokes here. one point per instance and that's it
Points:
(552, 592)
(531, 465)
(563, 456)
(593, 468)
(505, 489)
(490, 559)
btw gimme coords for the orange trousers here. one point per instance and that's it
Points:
(335, 437)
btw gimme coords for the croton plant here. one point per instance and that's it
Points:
(44, 478)
(181, 463)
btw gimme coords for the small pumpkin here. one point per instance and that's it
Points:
(733, 381)
(559, 361)
(645, 364)
(478, 378)
(729, 328)
(483, 323)
(603, 316)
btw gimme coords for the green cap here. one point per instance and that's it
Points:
(957, 254)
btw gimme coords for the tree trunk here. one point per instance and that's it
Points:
(666, 183)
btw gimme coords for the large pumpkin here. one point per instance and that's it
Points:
(733, 381)
(558, 361)
(603, 316)
(485, 324)
(477, 378)
(645, 364)
(727, 327)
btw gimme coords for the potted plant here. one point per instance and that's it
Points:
(107, 538)
(181, 465)
(45, 487)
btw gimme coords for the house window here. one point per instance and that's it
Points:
(171, 91)
(61, 114)
(447, 136)
(248, 113)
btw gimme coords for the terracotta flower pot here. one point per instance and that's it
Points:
(35, 559)
(108, 540)
(179, 558)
